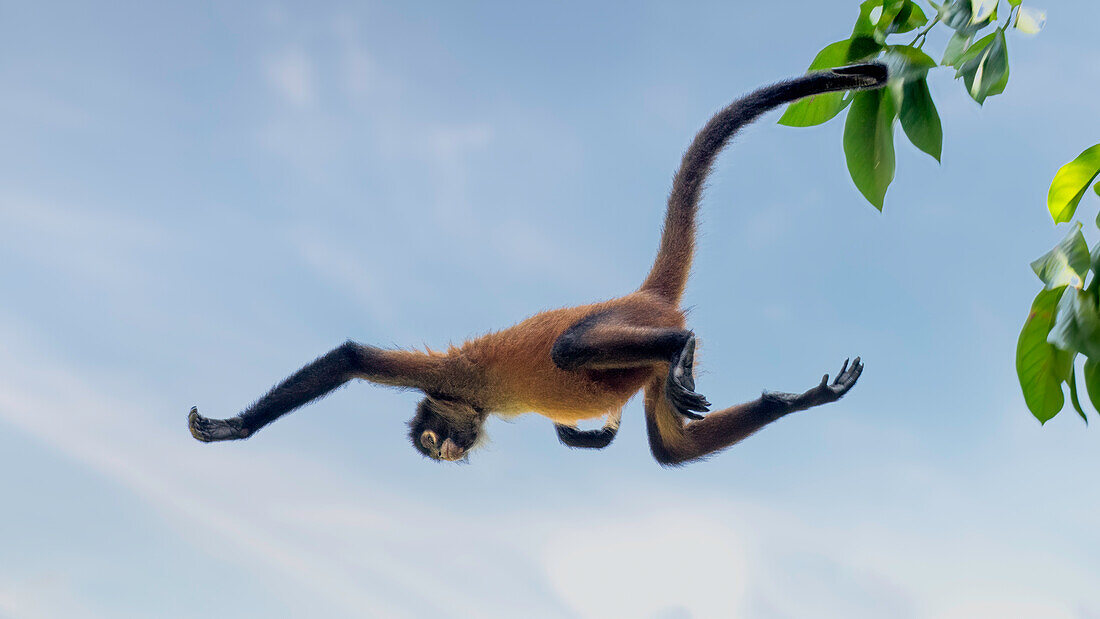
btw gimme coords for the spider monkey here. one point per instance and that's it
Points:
(583, 362)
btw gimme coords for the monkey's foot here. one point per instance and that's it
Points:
(210, 430)
(680, 386)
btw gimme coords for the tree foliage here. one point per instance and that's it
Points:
(978, 55)
(1064, 322)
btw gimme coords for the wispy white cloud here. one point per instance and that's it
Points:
(291, 75)
(95, 245)
(368, 286)
(437, 150)
(669, 562)
(44, 596)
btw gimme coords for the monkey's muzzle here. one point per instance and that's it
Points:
(450, 451)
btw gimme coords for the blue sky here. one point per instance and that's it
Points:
(195, 199)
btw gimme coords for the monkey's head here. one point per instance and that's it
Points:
(445, 429)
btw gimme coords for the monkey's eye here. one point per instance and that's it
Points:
(429, 440)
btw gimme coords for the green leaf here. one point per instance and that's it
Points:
(1094, 260)
(1014, 3)
(1077, 325)
(880, 18)
(963, 17)
(903, 16)
(868, 18)
(914, 20)
(913, 56)
(1071, 182)
(956, 14)
(919, 118)
(820, 108)
(955, 48)
(869, 143)
(1066, 264)
(984, 67)
(971, 53)
(1096, 188)
(862, 48)
(1076, 401)
(1092, 382)
(999, 86)
(1041, 367)
(907, 63)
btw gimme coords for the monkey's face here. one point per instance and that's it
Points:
(445, 429)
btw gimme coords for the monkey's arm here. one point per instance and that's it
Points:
(350, 360)
(675, 442)
(591, 439)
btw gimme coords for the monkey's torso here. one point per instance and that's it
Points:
(518, 365)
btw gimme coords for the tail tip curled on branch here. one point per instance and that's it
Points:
(872, 74)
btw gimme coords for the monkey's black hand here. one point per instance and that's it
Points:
(831, 392)
(210, 430)
(680, 386)
(826, 392)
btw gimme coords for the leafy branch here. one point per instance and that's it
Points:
(1064, 321)
(869, 127)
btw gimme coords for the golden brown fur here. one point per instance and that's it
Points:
(520, 375)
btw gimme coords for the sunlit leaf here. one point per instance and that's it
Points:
(1066, 264)
(1073, 398)
(959, 16)
(820, 108)
(982, 10)
(1029, 20)
(1071, 182)
(1014, 3)
(869, 143)
(1077, 325)
(1096, 188)
(1041, 367)
(919, 118)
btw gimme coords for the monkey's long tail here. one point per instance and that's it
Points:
(673, 264)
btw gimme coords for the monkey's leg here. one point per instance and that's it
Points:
(591, 439)
(675, 442)
(317, 379)
(599, 342)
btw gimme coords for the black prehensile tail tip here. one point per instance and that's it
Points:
(875, 71)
